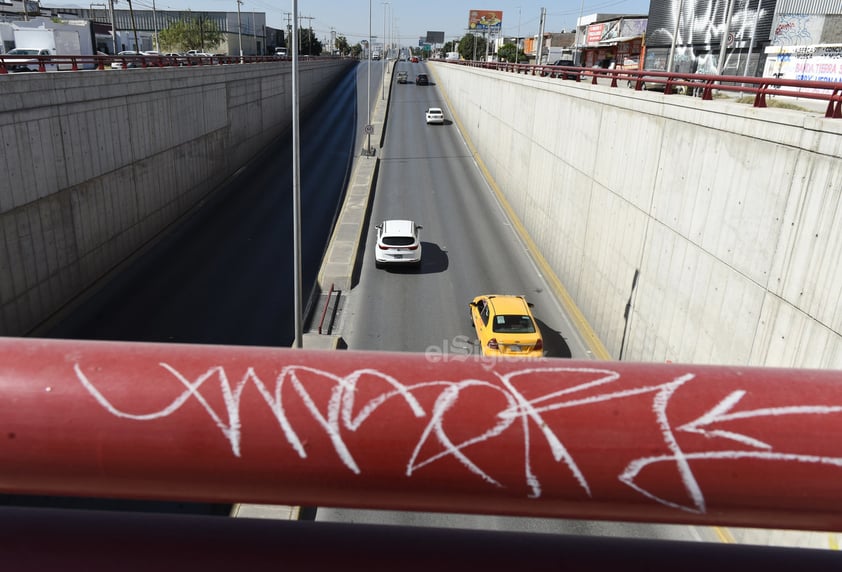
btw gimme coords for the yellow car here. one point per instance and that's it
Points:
(505, 326)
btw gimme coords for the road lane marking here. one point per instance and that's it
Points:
(588, 334)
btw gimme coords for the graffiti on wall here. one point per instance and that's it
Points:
(797, 29)
(700, 31)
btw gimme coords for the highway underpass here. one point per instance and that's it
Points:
(427, 173)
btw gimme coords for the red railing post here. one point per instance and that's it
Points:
(324, 310)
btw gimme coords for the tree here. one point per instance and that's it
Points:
(308, 43)
(471, 44)
(508, 52)
(194, 33)
(356, 50)
(342, 45)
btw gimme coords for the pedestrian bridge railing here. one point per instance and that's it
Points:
(637, 442)
(671, 83)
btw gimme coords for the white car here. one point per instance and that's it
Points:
(435, 115)
(27, 59)
(125, 63)
(398, 242)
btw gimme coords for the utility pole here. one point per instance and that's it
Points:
(254, 33)
(309, 33)
(725, 33)
(540, 53)
(288, 15)
(578, 57)
(240, 29)
(113, 32)
(155, 25)
(134, 28)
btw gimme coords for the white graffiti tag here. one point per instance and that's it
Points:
(345, 411)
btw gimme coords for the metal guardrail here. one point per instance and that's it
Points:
(8, 63)
(695, 84)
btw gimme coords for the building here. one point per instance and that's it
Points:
(138, 29)
(753, 26)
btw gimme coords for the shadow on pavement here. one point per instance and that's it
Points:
(433, 260)
(555, 345)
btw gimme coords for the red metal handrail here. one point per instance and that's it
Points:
(760, 87)
(548, 437)
(100, 62)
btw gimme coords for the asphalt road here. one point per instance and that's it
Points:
(469, 247)
(427, 174)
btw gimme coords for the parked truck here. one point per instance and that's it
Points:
(58, 39)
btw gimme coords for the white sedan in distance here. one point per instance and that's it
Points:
(398, 243)
(435, 115)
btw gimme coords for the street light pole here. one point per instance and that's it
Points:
(296, 183)
(579, 42)
(113, 31)
(368, 87)
(517, 40)
(385, 52)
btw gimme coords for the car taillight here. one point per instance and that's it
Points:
(413, 247)
(492, 344)
(539, 345)
(382, 247)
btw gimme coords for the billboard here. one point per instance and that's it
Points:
(485, 20)
(435, 37)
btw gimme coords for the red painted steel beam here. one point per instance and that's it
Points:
(575, 439)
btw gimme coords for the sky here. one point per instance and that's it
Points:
(410, 19)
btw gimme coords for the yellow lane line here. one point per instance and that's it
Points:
(596, 346)
(591, 339)
(724, 535)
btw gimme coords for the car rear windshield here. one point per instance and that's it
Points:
(513, 324)
(398, 240)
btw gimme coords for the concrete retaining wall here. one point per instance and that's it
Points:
(97, 163)
(731, 215)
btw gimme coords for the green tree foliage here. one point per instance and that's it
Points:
(356, 50)
(507, 53)
(470, 44)
(193, 33)
(342, 45)
(308, 44)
